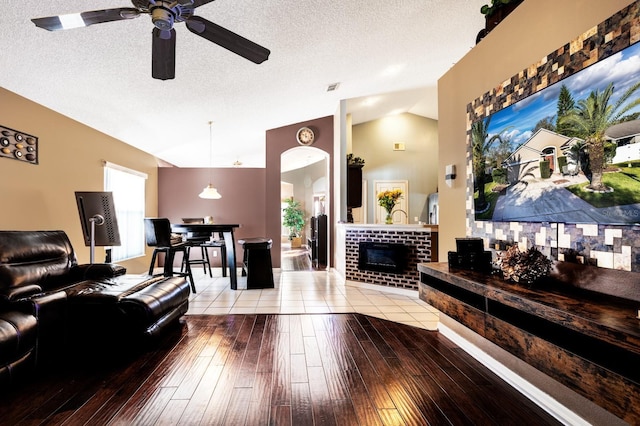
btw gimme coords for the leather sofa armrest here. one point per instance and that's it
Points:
(12, 294)
(41, 305)
(96, 271)
(51, 311)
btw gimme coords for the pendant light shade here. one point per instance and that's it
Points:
(209, 192)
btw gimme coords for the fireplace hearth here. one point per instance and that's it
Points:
(382, 257)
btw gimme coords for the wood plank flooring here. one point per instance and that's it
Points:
(324, 369)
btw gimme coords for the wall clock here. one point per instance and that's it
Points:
(305, 136)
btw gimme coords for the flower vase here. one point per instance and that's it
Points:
(389, 219)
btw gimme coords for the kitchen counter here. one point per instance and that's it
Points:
(404, 227)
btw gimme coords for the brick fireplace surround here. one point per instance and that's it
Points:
(422, 246)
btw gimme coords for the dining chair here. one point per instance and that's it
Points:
(204, 241)
(159, 236)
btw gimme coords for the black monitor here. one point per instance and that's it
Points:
(99, 208)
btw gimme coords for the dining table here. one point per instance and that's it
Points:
(224, 229)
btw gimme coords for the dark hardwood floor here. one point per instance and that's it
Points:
(325, 369)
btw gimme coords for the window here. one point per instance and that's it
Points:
(129, 198)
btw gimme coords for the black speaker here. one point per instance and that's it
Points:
(470, 255)
(467, 246)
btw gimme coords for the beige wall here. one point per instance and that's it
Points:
(41, 197)
(533, 30)
(373, 141)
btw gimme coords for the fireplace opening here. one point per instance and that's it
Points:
(382, 257)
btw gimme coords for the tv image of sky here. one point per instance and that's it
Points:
(518, 120)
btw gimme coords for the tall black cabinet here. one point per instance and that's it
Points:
(354, 186)
(354, 189)
(318, 241)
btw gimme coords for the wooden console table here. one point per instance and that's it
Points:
(587, 341)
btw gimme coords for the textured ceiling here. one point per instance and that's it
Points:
(388, 52)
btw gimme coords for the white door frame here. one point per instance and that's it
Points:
(360, 213)
(403, 202)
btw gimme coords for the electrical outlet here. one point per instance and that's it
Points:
(215, 253)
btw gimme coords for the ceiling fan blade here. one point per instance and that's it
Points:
(84, 19)
(163, 54)
(228, 39)
(198, 3)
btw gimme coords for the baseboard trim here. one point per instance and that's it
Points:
(536, 395)
(383, 288)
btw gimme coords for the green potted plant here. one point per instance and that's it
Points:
(354, 161)
(496, 5)
(494, 13)
(294, 220)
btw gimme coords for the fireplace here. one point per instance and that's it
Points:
(382, 257)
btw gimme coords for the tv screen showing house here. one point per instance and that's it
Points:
(568, 153)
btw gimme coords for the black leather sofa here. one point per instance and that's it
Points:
(49, 303)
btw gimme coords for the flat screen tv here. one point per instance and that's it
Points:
(540, 160)
(99, 207)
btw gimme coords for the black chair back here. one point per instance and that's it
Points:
(157, 232)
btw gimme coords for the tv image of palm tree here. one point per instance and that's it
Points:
(591, 117)
(480, 146)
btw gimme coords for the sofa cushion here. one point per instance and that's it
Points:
(38, 258)
(109, 290)
(138, 301)
(148, 305)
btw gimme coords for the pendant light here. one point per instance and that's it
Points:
(209, 192)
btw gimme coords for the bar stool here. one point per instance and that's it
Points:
(256, 263)
(198, 239)
(158, 235)
(205, 242)
(220, 245)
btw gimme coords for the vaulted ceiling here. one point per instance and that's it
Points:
(386, 56)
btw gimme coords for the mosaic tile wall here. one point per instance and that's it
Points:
(419, 250)
(606, 246)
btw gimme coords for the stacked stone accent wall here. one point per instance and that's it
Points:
(421, 246)
(602, 245)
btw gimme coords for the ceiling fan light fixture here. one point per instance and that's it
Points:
(162, 18)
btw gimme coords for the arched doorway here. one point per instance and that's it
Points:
(304, 176)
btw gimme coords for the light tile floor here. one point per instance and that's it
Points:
(300, 292)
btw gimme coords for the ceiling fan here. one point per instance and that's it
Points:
(163, 15)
